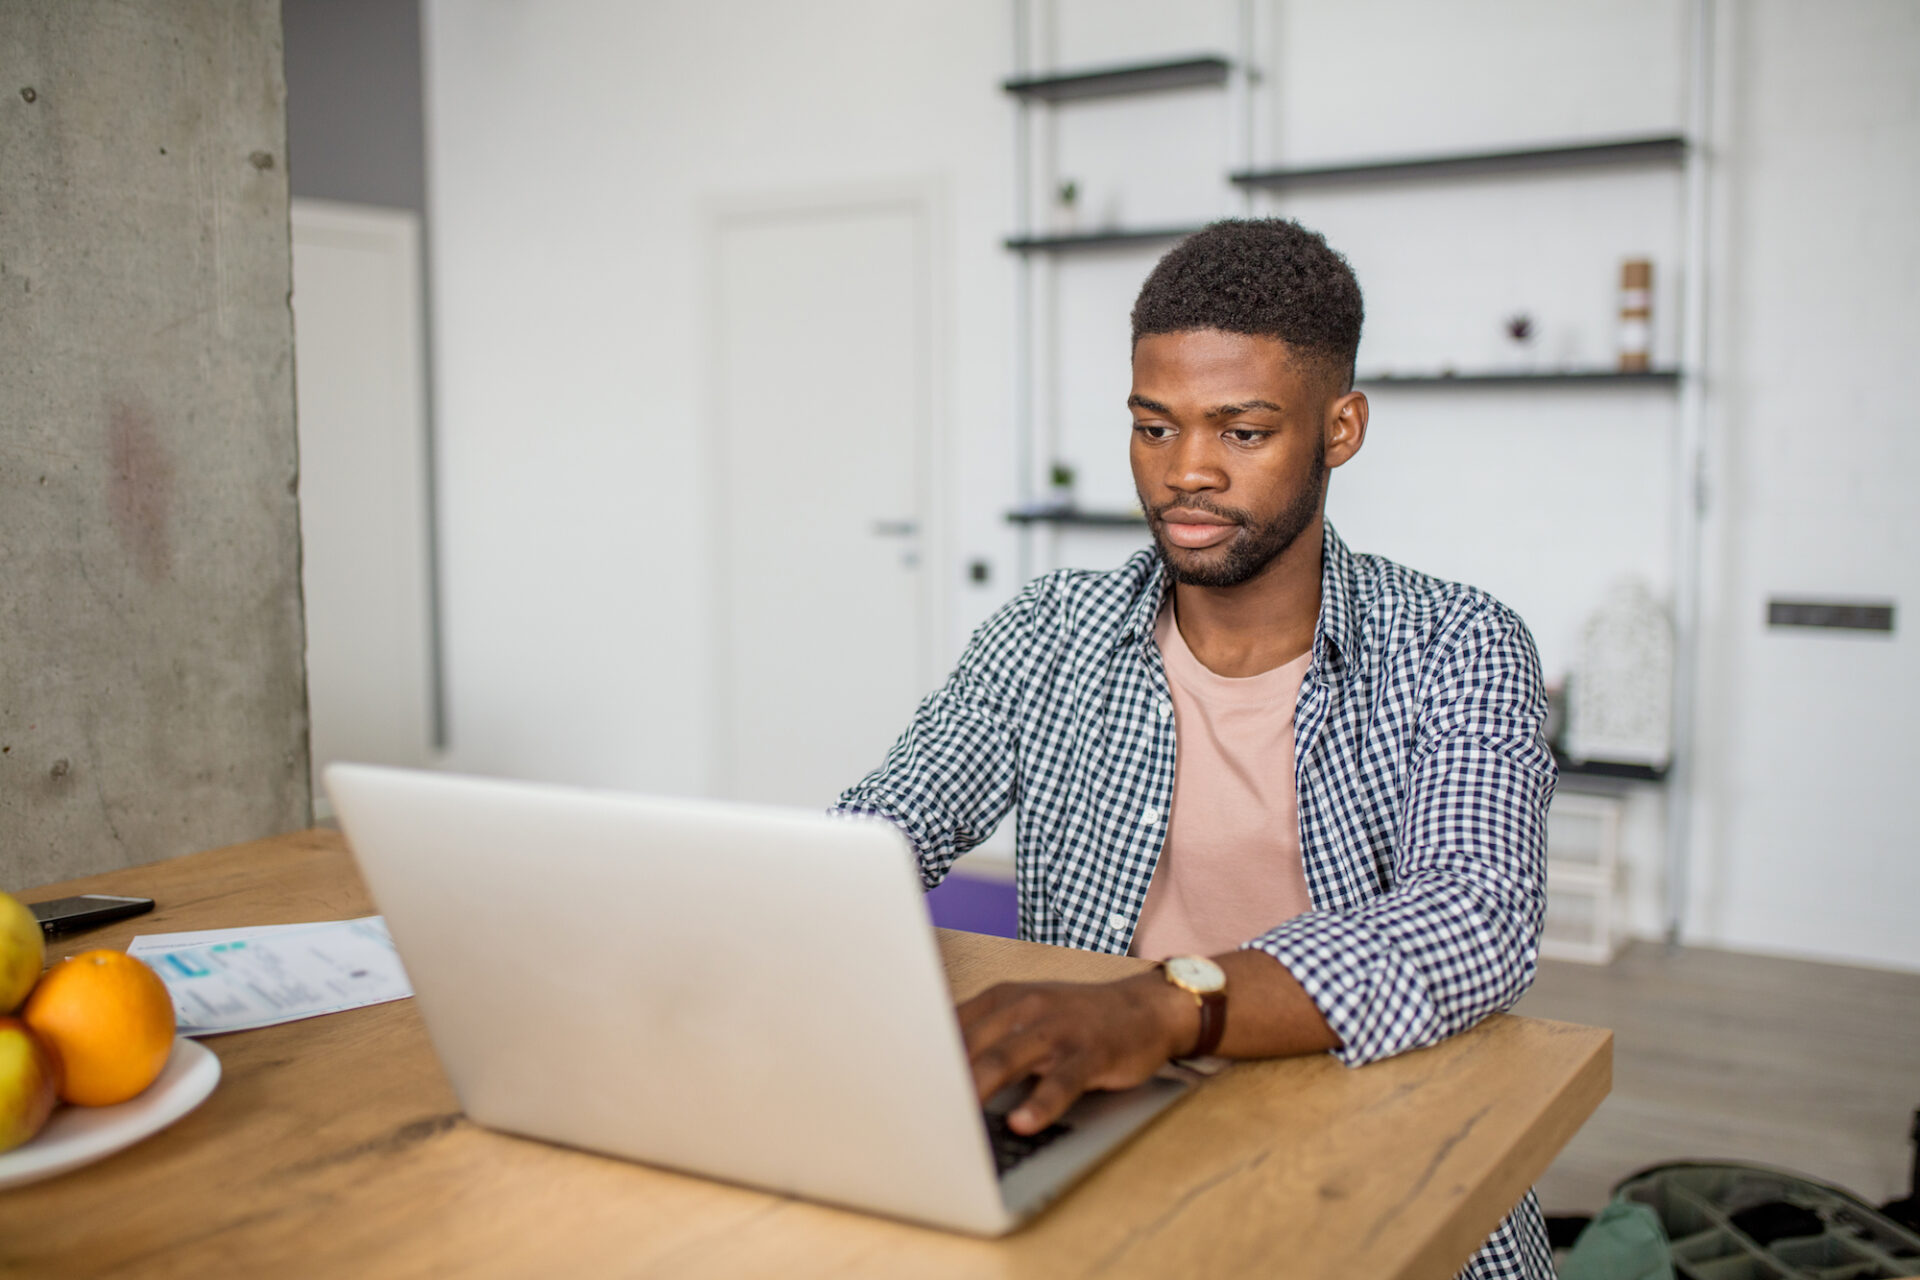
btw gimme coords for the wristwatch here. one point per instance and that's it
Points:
(1206, 982)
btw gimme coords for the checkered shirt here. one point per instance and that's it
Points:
(1420, 766)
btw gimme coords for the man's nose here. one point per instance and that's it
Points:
(1192, 467)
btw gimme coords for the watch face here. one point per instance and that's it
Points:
(1197, 973)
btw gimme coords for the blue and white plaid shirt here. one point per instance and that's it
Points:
(1420, 766)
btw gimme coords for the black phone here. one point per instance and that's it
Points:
(65, 915)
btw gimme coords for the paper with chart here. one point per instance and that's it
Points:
(238, 979)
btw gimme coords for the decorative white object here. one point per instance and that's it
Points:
(1620, 694)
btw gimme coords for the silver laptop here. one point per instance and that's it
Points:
(747, 993)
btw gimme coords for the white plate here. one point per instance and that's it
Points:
(81, 1135)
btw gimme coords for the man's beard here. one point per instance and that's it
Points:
(1259, 546)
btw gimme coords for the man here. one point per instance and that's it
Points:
(1353, 824)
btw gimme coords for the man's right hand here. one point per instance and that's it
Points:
(1072, 1037)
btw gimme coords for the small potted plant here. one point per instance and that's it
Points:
(1060, 487)
(1066, 207)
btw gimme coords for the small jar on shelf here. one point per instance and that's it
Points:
(1636, 315)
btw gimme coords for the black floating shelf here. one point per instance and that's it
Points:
(1665, 149)
(1098, 519)
(1563, 378)
(1096, 240)
(1106, 82)
(1610, 769)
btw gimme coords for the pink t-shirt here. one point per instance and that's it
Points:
(1230, 868)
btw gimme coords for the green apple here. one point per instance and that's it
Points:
(22, 952)
(29, 1083)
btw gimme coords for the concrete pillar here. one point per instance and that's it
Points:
(152, 688)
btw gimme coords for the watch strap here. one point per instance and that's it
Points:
(1213, 1023)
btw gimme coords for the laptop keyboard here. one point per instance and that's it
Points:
(1010, 1148)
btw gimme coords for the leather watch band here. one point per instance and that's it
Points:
(1213, 1023)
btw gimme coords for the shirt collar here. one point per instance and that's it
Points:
(1336, 636)
(1138, 627)
(1336, 639)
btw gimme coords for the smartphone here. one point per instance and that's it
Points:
(65, 915)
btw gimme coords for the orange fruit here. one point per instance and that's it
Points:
(108, 1019)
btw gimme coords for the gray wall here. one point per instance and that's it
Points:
(355, 131)
(152, 692)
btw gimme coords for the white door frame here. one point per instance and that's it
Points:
(396, 233)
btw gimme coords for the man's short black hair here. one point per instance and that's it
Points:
(1264, 276)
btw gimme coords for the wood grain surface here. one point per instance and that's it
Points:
(334, 1147)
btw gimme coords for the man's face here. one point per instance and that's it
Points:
(1230, 450)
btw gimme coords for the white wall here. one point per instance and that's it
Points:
(1806, 842)
(574, 148)
(577, 149)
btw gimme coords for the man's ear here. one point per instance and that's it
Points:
(1346, 428)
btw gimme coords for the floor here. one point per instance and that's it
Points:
(1719, 1055)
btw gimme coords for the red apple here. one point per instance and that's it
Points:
(29, 1083)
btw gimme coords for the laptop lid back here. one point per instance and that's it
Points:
(753, 994)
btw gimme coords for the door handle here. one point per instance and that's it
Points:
(895, 528)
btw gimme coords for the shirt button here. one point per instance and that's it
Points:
(1150, 817)
(1117, 922)
(1163, 709)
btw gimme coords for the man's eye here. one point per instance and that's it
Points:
(1153, 430)
(1246, 435)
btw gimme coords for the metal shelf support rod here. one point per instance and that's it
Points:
(1023, 291)
(1689, 472)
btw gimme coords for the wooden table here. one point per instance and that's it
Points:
(335, 1147)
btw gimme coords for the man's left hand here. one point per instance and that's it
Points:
(1072, 1037)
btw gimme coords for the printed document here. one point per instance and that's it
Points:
(238, 979)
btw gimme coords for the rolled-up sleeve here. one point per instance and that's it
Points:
(1454, 937)
(952, 775)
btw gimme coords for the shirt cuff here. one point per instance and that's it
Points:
(932, 869)
(1373, 1000)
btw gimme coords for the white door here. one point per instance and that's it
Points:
(360, 379)
(820, 493)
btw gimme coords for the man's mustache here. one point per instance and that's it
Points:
(1201, 505)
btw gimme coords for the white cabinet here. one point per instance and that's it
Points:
(1583, 877)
